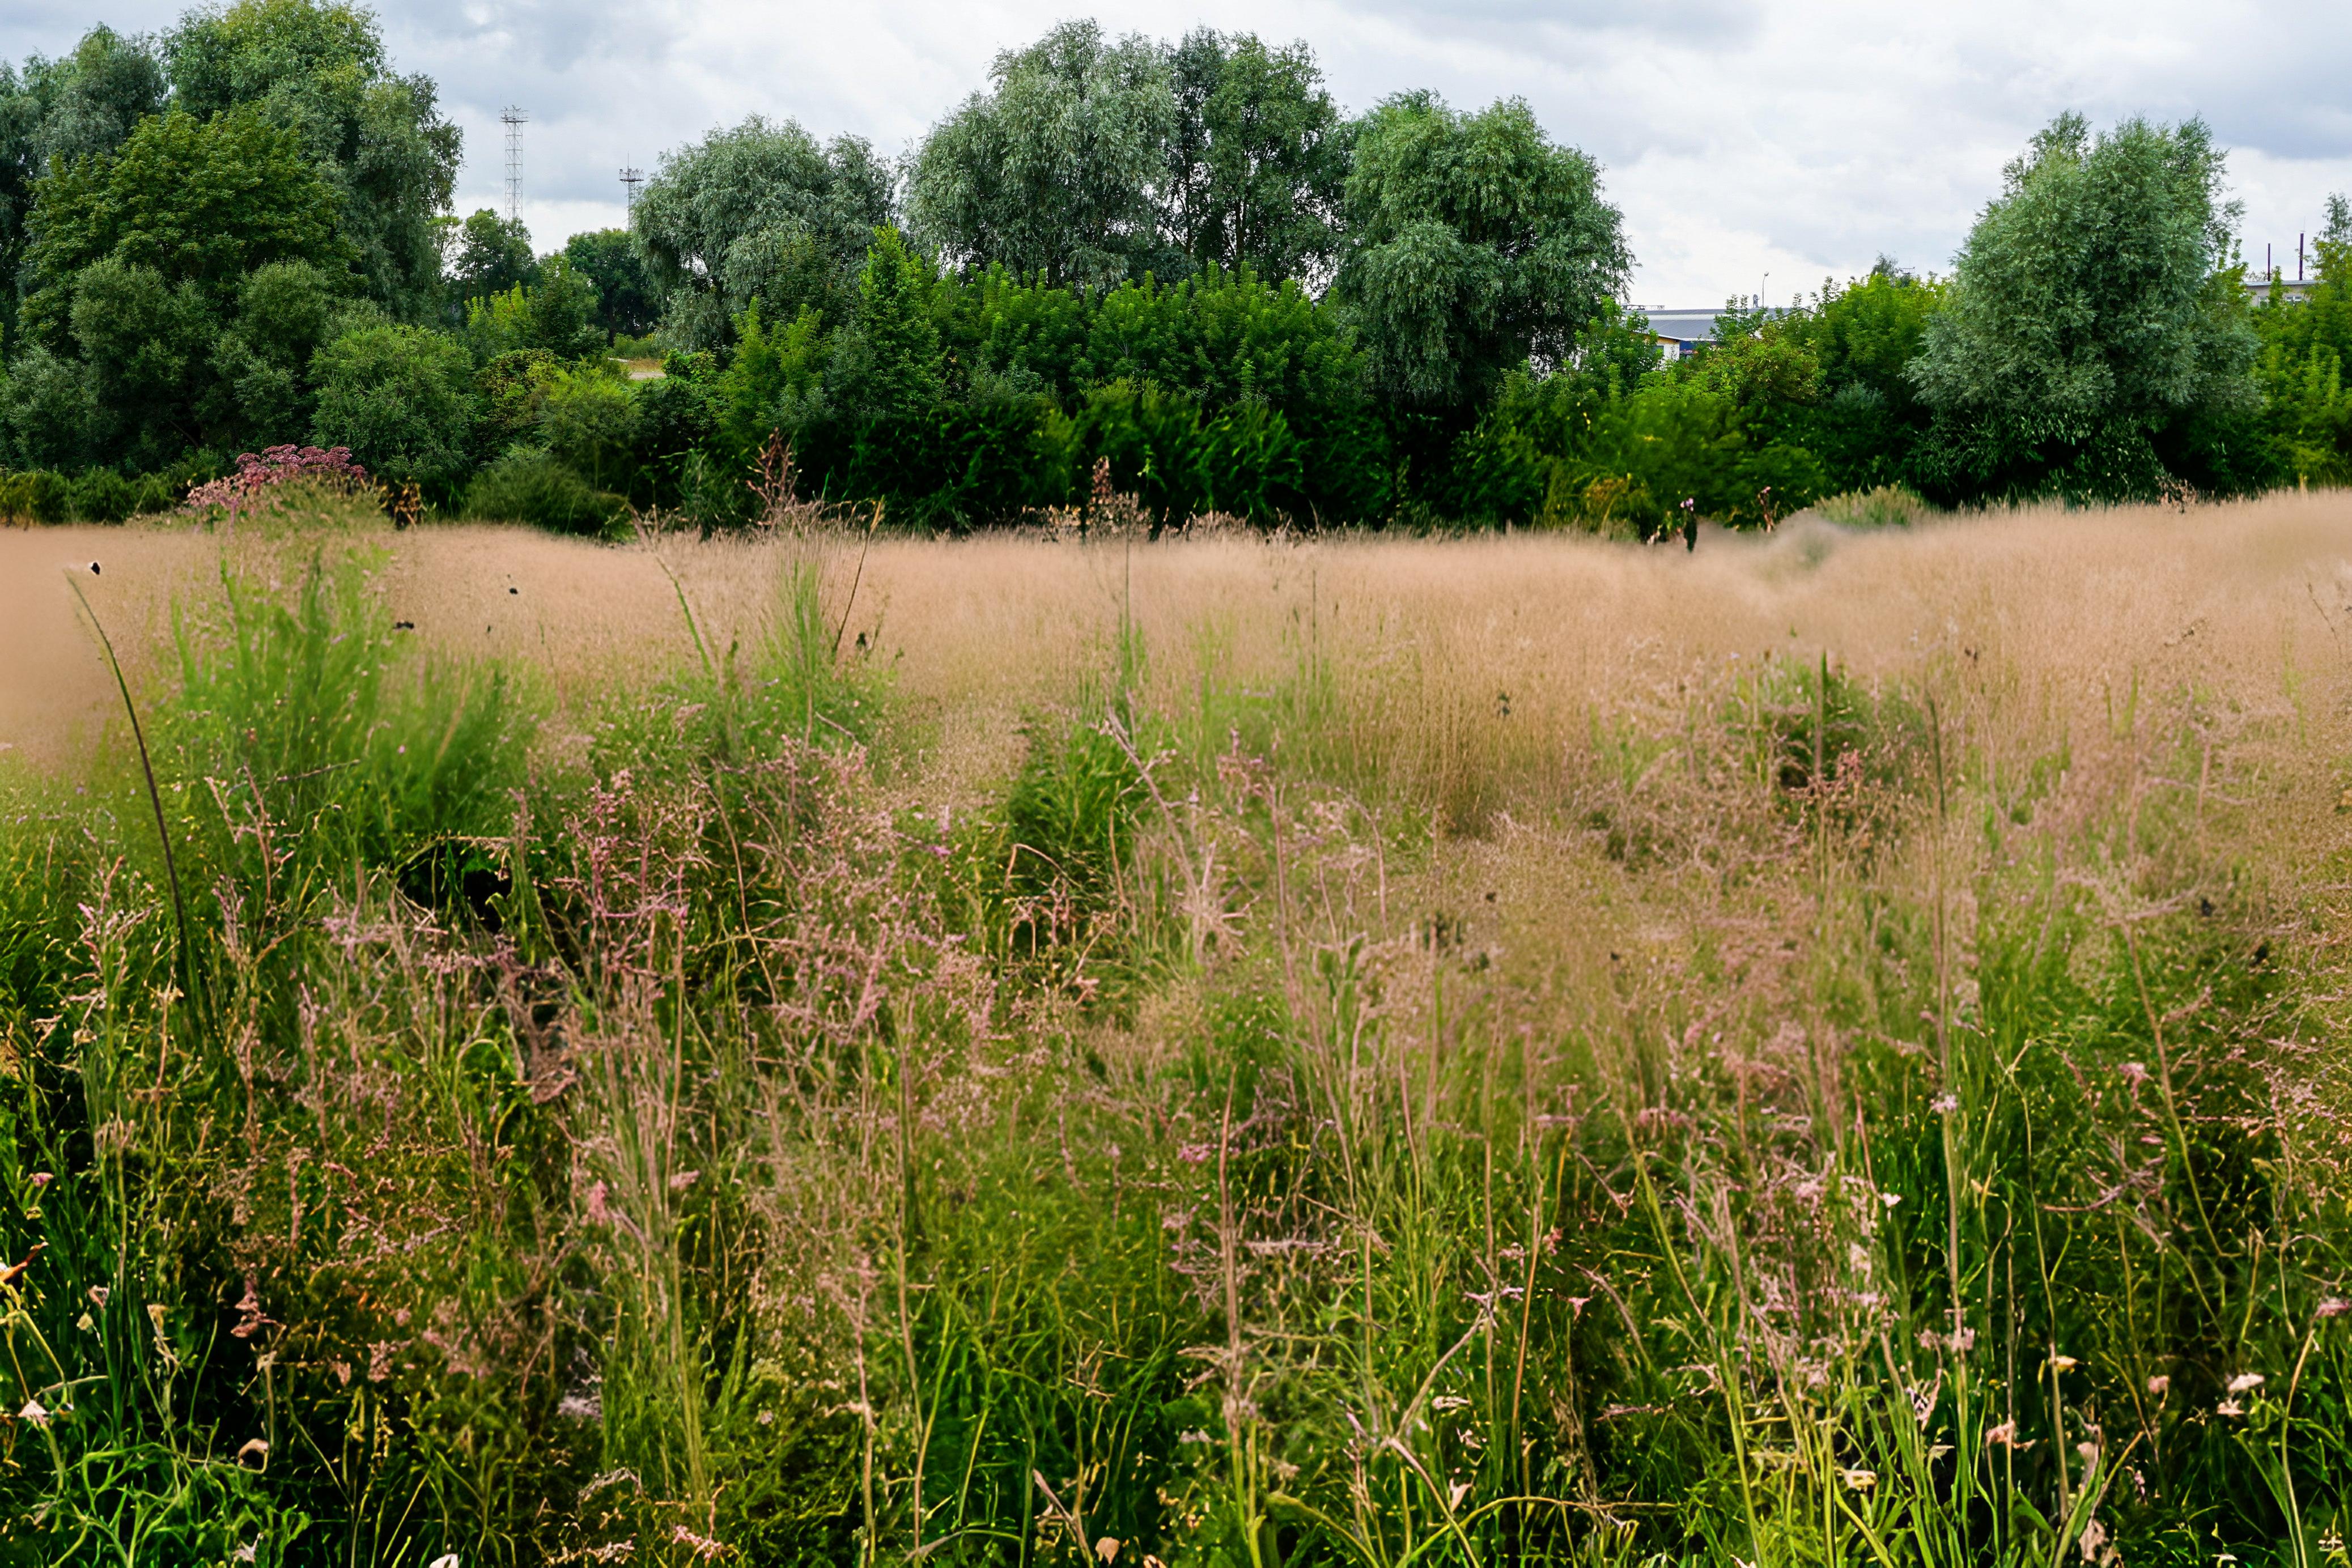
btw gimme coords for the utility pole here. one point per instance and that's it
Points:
(632, 177)
(514, 120)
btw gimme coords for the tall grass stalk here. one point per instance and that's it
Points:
(1340, 1089)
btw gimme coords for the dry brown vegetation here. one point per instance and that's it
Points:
(1826, 1048)
(2041, 615)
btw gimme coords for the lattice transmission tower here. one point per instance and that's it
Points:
(632, 177)
(514, 120)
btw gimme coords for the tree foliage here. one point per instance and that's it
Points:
(1473, 244)
(489, 255)
(556, 313)
(628, 302)
(717, 216)
(1059, 169)
(1178, 259)
(402, 398)
(2089, 316)
(2306, 346)
(84, 105)
(376, 138)
(1258, 159)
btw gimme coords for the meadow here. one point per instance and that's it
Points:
(1823, 1049)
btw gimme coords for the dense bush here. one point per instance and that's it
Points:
(528, 486)
(401, 399)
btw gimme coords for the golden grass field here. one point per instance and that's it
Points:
(1486, 953)
(1465, 661)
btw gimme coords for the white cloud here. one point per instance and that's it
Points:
(1801, 140)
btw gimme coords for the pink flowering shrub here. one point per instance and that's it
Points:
(261, 478)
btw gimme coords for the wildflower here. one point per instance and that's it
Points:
(1107, 1549)
(1194, 1154)
(2134, 1073)
(97, 1294)
(1944, 1104)
(40, 1180)
(2335, 1307)
(2158, 1383)
(35, 1412)
(447, 1560)
(250, 1552)
(1859, 1480)
(703, 1547)
(2064, 1363)
(2245, 1382)
(2005, 1435)
(1890, 1199)
(2229, 1407)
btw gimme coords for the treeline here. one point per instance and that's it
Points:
(1180, 266)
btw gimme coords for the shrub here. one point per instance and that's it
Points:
(102, 495)
(588, 418)
(1885, 505)
(533, 487)
(401, 400)
(38, 496)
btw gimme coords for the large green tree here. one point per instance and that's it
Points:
(1060, 168)
(488, 254)
(2092, 340)
(1258, 160)
(376, 138)
(756, 211)
(1473, 244)
(626, 299)
(141, 263)
(82, 105)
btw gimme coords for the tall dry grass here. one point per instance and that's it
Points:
(2049, 607)
(1822, 1048)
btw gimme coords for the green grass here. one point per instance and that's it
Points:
(706, 1148)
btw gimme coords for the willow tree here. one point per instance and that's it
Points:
(1060, 169)
(761, 212)
(1473, 244)
(2093, 341)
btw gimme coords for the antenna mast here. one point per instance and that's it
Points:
(514, 120)
(632, 177)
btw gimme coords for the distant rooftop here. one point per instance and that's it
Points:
(2292, 290)
(1684, 326)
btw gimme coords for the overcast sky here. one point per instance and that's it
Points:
(1797, 139)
